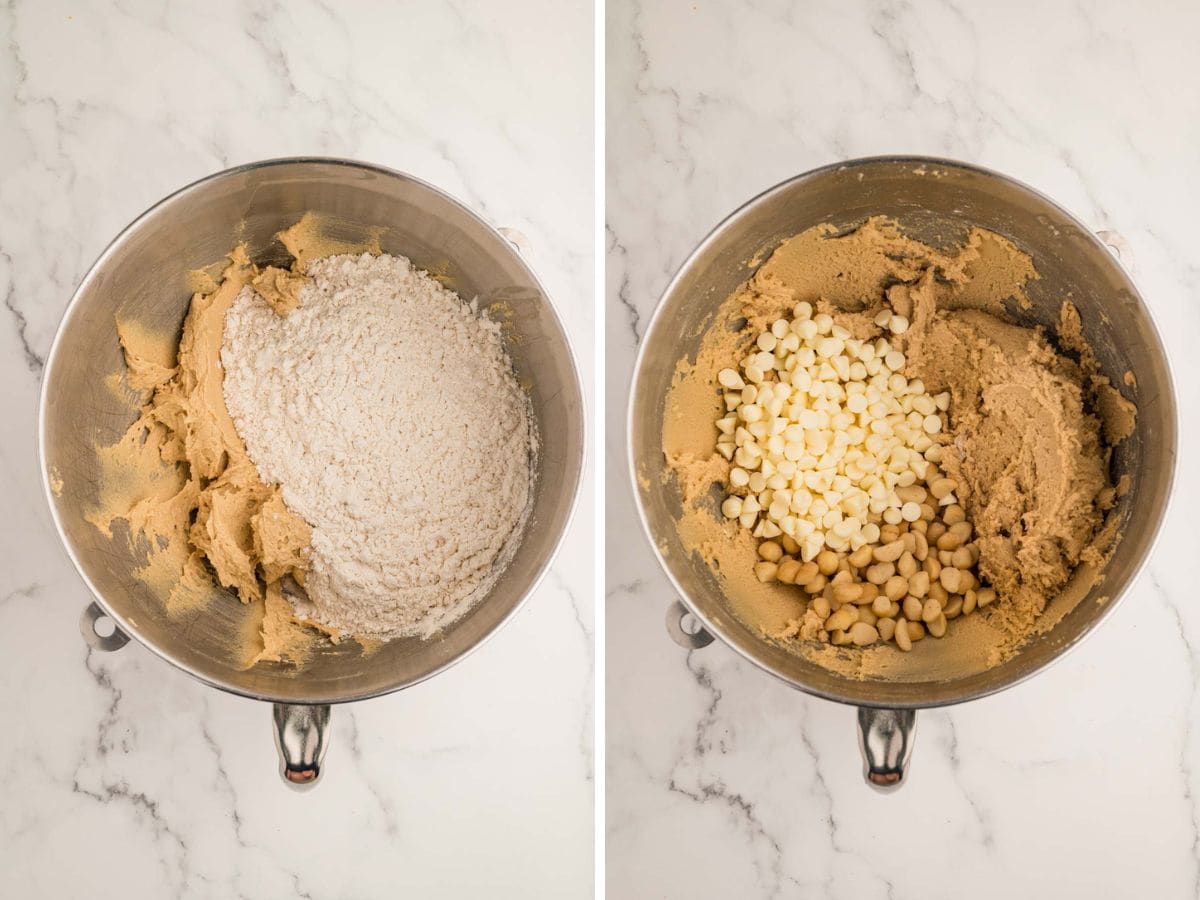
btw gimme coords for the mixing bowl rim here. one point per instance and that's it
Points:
(741, 212)
(114, 246)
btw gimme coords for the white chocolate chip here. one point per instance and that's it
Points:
(730, 378)
(824, 431)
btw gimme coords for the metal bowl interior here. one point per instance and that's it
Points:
(936, 201)
(144, 275)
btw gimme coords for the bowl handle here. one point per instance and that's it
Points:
(115, 640)
(301, 736)
(517, 239)
(1119, 247)
(885, 737)
(679, 617)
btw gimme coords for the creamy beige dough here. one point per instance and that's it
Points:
(279, 287)
(1029, 441)
(180, 477)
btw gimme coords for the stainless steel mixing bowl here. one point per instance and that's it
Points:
(937, 201)
(143, 275)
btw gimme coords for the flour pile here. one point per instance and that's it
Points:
(387, 410)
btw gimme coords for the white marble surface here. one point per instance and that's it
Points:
(120, 777)
(1082, 782)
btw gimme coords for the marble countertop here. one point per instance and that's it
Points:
(120, 776)
(1084, 781)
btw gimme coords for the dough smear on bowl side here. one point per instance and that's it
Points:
(182, 482)
(877, 455)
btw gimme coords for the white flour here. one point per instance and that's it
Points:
(386, 408)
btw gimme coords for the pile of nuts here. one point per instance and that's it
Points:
(835, 466)
(918, 577)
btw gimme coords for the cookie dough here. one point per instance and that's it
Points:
(1031, 429)
(180, 477)
(279, 287)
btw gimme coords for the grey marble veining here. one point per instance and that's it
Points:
(122, 777)
(1084, 781)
